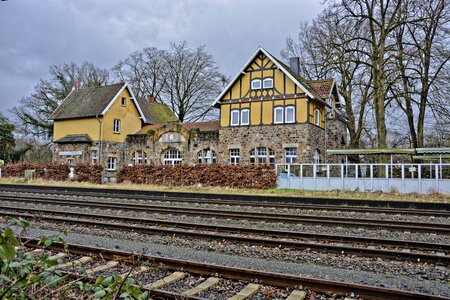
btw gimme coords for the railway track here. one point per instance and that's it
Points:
(400, 250)
(266, 217)
(219, 272)
(442, 211)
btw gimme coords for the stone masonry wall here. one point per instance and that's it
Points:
(305, 137)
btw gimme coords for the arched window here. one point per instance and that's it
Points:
(172, 157)
(207, 156)
(316, 156)
(262, 155)
(139, 158)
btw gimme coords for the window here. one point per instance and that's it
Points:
(234, 156)
(330, 103)
(271, 156)
(94, 157)
(290, 155)
(245, 117)
(289, 114)
(261, 155)
(116, 128)
(268, 83)
(139, 157)
(207, 156)
(256, 84)
(278, 115)
(316, 157)
(111, 163)
(317, 117)
(70, 161)
(124, 101)
(234, 118)
(172, 157)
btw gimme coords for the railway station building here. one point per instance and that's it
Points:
(268, 114)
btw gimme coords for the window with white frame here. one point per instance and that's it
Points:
(256, 84)
(111, 163)
(330, 103)
(71, 161)
(234, 117)
(268, 83)
(124, 101)
(317, 117)
(290, 155)
(139, 158)
(234, 156)
(262, 155)
(316, 156)
(94, 155)
(172, 157)
(245, 117)
(278, 115)
(207, 156)
(289, 114)
(116, 127)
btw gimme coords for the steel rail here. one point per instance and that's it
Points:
(268, 217)
(289, 203)
(269, 278)
(391, 254)
(246, 230)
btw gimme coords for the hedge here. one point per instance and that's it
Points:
(53, 171)
(234, 176)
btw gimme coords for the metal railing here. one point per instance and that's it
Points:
(404, 178)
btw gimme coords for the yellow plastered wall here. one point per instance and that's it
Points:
(225, 115)
(89, 126)
(302, 110)
(129, 122)
(128, 116)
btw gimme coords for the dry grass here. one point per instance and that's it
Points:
(435, 197)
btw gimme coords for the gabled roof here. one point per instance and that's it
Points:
(91, 102)
(300, 82)
(323, 88)
(156, 113)
(74, 138)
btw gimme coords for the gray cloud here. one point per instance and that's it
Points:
(36, 34)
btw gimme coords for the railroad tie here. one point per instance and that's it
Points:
(142, 269)
(205, 285)
(175, 276)
(297, 295)
(108, 265)
(250, 290)
(58, 256)
(81, 261)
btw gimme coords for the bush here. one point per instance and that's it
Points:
(234, 176)
(53, 171)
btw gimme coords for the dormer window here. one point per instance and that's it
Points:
(256, 84)
(268, 83)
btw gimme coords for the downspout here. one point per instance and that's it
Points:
(325, 138)
(99, 140)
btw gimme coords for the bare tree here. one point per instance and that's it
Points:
(31, 116)
(144, 70)
(323, 48)
(192, 82)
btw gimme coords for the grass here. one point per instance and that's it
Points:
(434, 197)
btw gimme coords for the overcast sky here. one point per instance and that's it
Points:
(35, 34)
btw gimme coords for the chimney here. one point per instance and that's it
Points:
(294, 64)
(150, 99)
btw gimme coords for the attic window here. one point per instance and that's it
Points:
(256, 84)
(124, 101)
(268, 83)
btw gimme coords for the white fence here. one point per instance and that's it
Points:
(404, 178)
